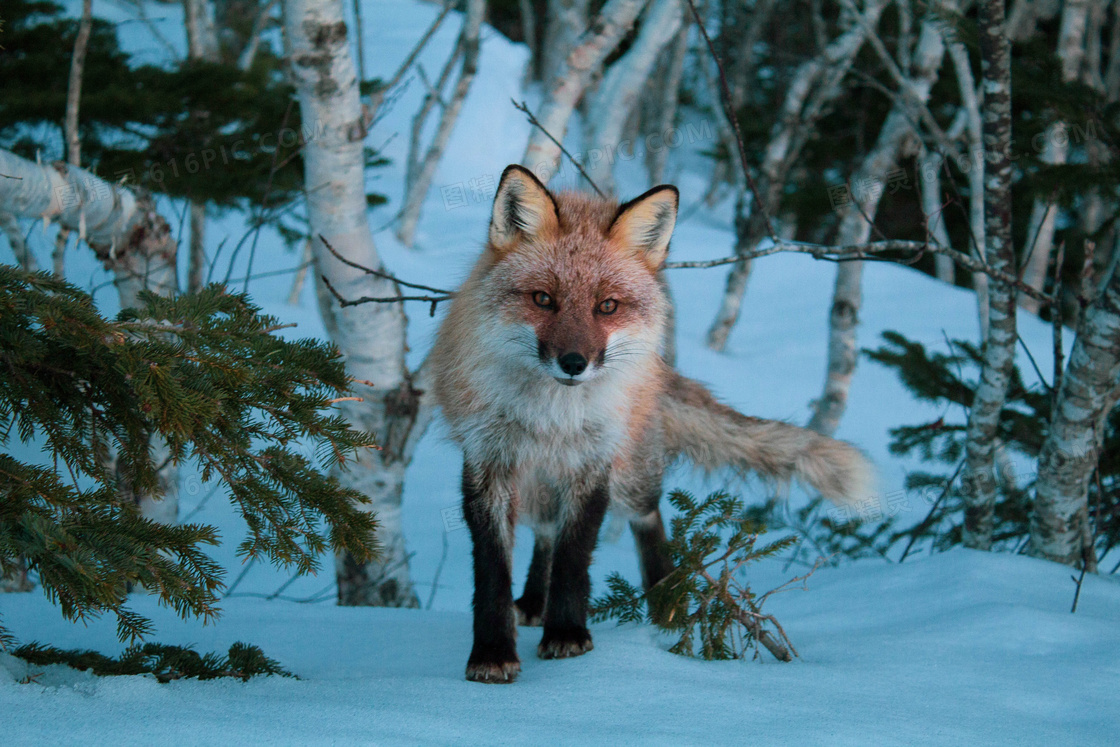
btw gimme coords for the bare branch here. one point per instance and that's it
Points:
(381, 273)
(536, 123)
(854, 252)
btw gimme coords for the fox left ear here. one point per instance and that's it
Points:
(523, 209)
(646, 223)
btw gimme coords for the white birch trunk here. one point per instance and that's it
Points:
(1044, 213)
(815, 85)
(975, 166)
(978, 483)
(372, 336)
(617, 94)
(933, 209)
(70, 125)
(196, 261)
(202, 37)
(1089, 390)
(542, 156)
(566, 20)
(855, 228)
(426, 170)
(202, 44)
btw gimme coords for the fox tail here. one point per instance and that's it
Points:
(712, 435)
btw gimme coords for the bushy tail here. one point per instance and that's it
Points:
(712, 435)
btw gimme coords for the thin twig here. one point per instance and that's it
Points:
(439, 570)
(381, 273)
(1034, 364)
(379, 97)
(536, 123)
(867, 251)
(345, 302)
(1056, 323)
(1077, 594)
(928, 521)
(729, 113)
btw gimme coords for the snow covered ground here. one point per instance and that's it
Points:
(957, 648)
(962, 648)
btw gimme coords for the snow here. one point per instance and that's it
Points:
(960, 648)
(954, 648)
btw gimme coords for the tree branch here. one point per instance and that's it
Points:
(536, 123)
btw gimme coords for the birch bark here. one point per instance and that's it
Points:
(870, 182)
(979, 480)
(566, 21)
(614, 100)
(542, 156)
(1089, 390)
(372, 337)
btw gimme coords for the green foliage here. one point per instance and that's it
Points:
(165, 663)
(703, 602)
(206, 378)
(195, 129)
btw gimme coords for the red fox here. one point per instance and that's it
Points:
(549, 371)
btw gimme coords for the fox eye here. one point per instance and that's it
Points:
(542, 299)
(608, 307)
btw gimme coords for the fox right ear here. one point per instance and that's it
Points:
(523, 208)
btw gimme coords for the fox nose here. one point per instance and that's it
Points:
(572, 364)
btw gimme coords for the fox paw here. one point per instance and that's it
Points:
(494, 673)
(528, 614)
(562, 644)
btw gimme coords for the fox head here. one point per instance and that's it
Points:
(575, 277)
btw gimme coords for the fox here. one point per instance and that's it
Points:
(550, 373)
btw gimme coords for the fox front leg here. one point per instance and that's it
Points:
(565, 616)
(488, 510)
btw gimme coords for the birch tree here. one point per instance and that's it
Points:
(542, 156)
(70, 125)
(978, 480)
(566, 20)
(815, 84)
(1089, 390)
(202, 44)
(372, 337)
(975, 164)
(856, 222)
(617, 94)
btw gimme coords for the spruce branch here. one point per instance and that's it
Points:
(207, 373)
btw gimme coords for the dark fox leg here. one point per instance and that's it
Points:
(653, 548)
(565, 617)
(653, 554)
(486, 508)
(530, 607)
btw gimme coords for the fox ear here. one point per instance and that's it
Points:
(523, 208)
(646, 223)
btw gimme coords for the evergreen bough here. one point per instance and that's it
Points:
(165, 663)
(704, 602)
(207, 374)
